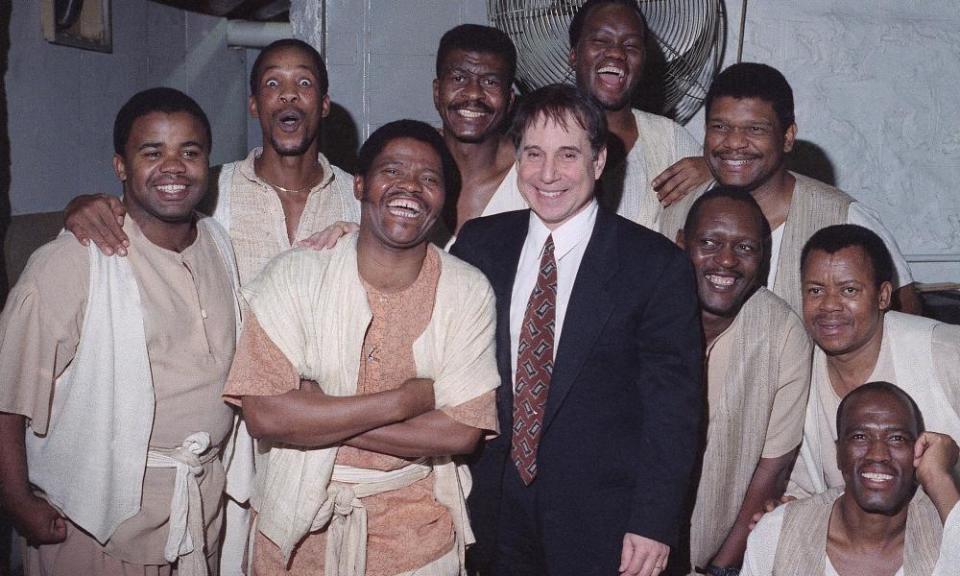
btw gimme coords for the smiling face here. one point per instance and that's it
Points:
(842, 306)
(472, 94)
(875, 451)
(744, 144)
(164, 167)
(288, 102)
(557, 169)
(726, 248)
(608, 58)
(402, 193)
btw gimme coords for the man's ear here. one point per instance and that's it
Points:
(885, 296)
(252, 106)
(572, 57)
(681, 242)
(790, 137)
(436, 94)
(358, 187)
(599, 162)
(325, 106)
(120, 167)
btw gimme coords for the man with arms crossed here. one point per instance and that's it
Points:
(599, 354)
(847, 288)
(750, 130)
(876, 523)
(758, 376)
(111, 370)
(399, 338)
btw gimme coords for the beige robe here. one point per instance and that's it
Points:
(814, 206)
(321, 292)
(758, 376)
(791, 540)
(627, 189)
(189, 324)
(921, 356)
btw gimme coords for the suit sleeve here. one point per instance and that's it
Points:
(670, 347)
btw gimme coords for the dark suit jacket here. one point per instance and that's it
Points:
(622, 423)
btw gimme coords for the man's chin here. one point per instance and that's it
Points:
(287, 149)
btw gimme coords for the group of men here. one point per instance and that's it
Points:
(566, 392)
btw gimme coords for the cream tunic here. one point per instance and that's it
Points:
(189, 325)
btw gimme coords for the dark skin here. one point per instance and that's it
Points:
(390, 254)
(727, 239)
(287, 83)
(868, 524)
(748, 128)
(162, 151)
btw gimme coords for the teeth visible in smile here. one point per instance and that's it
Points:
(470, 113)
(404, 208)
(172, 188)
(876, 476)
(551, 193)
(737, 162)
(611, 70)
(723, 281)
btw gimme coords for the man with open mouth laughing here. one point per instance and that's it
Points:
(397, 338)
(847, 275)
(750, 130)
(877, 522)
(654, 163)
(758, 377)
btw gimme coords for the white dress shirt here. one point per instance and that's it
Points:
(570, 241)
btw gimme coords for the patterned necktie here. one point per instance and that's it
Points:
(534, 367)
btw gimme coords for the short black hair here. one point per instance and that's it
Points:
(554, 102)
(754, 80)
(886, 388)
(576, 24)
(833, 239)
(477, 38)
(160, 99)
(318, 63)
(416, 130)
(731, 193)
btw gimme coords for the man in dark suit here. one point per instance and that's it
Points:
(599, 350)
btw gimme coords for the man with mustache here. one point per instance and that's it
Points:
(876, 522)
(758, 377)
(750, 129)
(111, 370)
(847, 285)
(280, 194)
(653, 162)
(399, 338)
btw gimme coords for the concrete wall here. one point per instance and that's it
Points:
(61, 101)
(876, 87)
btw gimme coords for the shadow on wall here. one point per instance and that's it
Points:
(811, 160)
(340, 138)
(5, 9)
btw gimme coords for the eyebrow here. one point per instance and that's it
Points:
(298, 66)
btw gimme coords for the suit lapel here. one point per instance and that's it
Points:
(587, 311)
(503, 272)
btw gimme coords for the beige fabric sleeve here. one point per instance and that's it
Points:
(762, 545)
(40, 327)
(259, 367)
(946, 352)
(785, 429)
(480, 412)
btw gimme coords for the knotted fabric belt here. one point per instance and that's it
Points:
(346, 550)
(185, 540)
